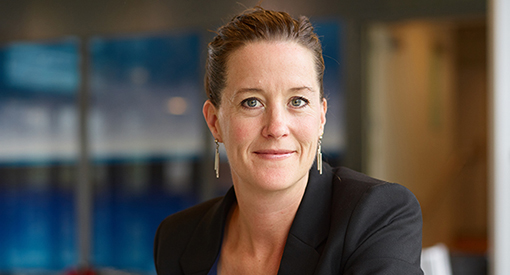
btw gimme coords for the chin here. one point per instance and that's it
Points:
(278, 179)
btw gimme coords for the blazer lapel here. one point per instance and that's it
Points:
(202, 250)
(310, 227)
(304, 244)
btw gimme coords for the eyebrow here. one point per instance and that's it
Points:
(302, 88)
(248, 90)
(258, 90)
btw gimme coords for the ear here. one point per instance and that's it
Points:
(324, 110)
(211, 118)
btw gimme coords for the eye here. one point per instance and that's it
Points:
(251, 103)
(298, 102)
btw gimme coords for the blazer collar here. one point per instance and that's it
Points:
(205, 243)
(309, 230)
(310, 227)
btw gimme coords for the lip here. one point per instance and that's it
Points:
(274, 153)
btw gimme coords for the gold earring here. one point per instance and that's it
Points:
(319, 155)
(217, 159)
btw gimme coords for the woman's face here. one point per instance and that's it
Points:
(271, 115)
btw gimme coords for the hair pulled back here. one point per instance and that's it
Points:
(254, 25)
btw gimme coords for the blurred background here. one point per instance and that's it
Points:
(102, 135)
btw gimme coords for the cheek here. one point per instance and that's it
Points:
(240, 131)
(307, 128)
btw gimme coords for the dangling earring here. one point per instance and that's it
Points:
(319, 155)
(217, 159)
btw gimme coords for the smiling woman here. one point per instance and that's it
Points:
(284, 214)
(273, 117)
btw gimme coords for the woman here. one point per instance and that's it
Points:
(287, 213)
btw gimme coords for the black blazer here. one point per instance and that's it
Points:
(347, 223)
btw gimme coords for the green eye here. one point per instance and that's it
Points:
(251, 103)
(298, 102)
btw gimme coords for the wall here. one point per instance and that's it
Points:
(499, 116)
(411, 122)
(471, 101)
(427, 127)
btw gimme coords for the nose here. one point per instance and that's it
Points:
(276, 123)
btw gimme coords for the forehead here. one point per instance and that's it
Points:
(272, 63)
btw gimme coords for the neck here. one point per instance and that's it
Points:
(261, 220)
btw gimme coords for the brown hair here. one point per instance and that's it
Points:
(252, 25)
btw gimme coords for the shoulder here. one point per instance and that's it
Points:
(356, 179)
(379, 222)
(188, 218)
(357, 188)
(175, 232)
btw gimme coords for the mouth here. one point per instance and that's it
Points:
(274, 153)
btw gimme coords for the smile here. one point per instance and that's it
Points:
(274, 154)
